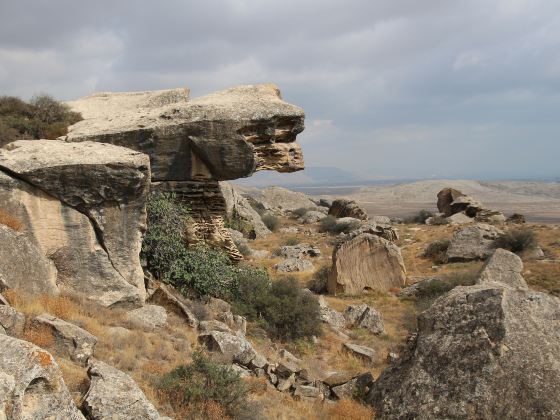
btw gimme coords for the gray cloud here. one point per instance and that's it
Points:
(391, 88)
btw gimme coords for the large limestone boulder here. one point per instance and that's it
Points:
(365, 263)
(451, 201)
(31, 384)
(113, 394)
(194, 143)
(472, 243)
(237, 205)
(503, 267)
(72, 341)
(83, 206)
(232, 348)
(23, 266)
(347, 208)
(484, 351)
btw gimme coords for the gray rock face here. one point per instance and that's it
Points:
(364, 316)
(347, 208)
(231, 347)
(503, 267)
(482, 351)
(83, 206)
(72, 341)
(384, 231)
(359, 383)
(11, 321)
(292, 265)
(23, 266)
(298, 251)
(4, 301)
(459, 219)
(366, 262)
(31, 384)
(149, 317)
(312, 216)
(113, 394)
(280, 199)
(363, 352)
(165, 295)
(472, 243)
(330, 316)
(188, 139)
(238, 205)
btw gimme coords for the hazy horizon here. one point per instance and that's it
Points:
(431, 89)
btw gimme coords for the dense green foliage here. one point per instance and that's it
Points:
(516, 240)
(41, 118)
(282, 308)
(189, 388)
(236, 222)
(437, 251)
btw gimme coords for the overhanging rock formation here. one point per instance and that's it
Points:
(194, 143)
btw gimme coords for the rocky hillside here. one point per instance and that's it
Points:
(137, 283)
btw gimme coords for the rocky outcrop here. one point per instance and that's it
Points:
(148, 317)
(239, 206)
(31, 384)
(71, 341)
(472, 243)
(12, 322)
(23, 266)
(113, 394)
(347, 208)
(83, 206)
(383, 230)
(282, 200)
(364, 316)
(312, 216)
(292, 265)
(232, 348)
(194, 143)
(298, 251)
(483, 351)
(503, 267)
(451, 201)
(364, 263)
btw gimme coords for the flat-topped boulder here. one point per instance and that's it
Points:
(194, 143)
(188, 139)
(83, 206)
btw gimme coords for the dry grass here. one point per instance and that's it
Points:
(349, 410)
(10, 221)
(40, 335)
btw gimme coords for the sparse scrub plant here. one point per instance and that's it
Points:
(437, 251)
(420, 217)
(331, 224)
(300, 212)
(203, 388)
(270, 221)
(516, 241)
(318, 283)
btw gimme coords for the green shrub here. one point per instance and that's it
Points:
(516, 240)
(419, 218)
(270, 221)
(282, 308)
(189, 387)
(437, 251)
(318, 283)
(236, 222)
(431, 289)
(42, 117)
(331, 224)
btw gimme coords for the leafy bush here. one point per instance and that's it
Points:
(318, 284)
(437, 250)
(197, 270)
(334, 226)
(282, 308)
(270, 221)
(516, 240)
(42, 117)
(189, 389)
(419, 218)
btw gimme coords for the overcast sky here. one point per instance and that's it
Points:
(391, 88)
